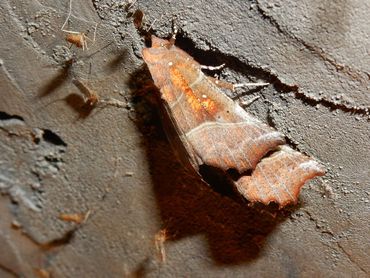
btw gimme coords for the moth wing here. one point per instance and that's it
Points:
(279, 178)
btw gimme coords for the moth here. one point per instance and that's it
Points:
(208, 128)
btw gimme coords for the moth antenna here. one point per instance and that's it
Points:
(154, 21)
(174, 32)
(151, 25)
(212, 67)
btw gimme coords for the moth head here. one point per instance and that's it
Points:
(157, 52)
(160, 43)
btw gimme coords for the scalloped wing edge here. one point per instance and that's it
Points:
(279, 177)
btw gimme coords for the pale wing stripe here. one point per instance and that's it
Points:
(272, 134)
(214, 125)
(259, 130)
(199, 79)
(255, 140)
(177, 100)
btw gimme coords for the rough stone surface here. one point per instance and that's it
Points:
(147, 216)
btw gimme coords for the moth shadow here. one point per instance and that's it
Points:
(63, 75)
(79, 105)
(236, 233)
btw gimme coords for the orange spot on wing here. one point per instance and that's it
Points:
(180, 83)
(209, 105)
(195, 103)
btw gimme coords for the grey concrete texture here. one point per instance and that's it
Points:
(146, 215)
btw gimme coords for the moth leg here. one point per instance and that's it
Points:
(211, 67)
(154, 21)
(248, 102)
(151, 25)
(240, 85)
(229, 86)
(232, 87)
(221, 84)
